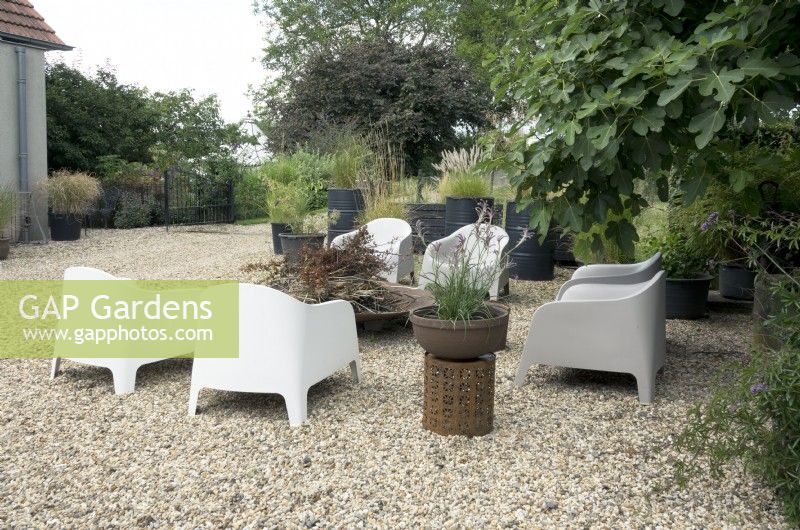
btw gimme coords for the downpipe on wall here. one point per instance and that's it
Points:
(22, 131)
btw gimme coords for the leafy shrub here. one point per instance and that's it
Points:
(310, 170)
(134, 210)
(72, 193)
(755, 419)
(249, 195)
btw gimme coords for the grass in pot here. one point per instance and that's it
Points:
(70, 196)
(345, 198)
(462, 324)
(6, 214)
(465, 188)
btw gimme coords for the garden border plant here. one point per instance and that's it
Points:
(70, 195)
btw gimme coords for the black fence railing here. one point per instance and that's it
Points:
(192, 198)
(178, 197)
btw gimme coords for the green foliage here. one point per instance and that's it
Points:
(307, 169)
(249, 196)
(135, 210)
(347, 162)
(615, 92)
(466, 184)
(114, 171)
(754, 419)
(6, 207)
(89, 117)
(304, 28)
(292, 204)
(72, 193)
(423, 97)
(95, 124)
(383, 208)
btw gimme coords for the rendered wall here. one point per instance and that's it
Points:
(37, 130)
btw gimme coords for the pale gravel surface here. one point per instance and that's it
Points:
(570, 449)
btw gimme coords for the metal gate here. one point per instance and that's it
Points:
(194, 198)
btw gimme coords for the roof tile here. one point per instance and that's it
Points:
(20, 19)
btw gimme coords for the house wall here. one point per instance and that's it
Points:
(37, 131)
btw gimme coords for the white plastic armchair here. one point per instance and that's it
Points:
(285, 347)
(392, 241)
(613, 273)
(609, 327)
(123, 370)
(438, 251)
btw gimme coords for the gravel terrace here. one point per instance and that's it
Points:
(571, 448)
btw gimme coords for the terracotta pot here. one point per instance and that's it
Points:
(5, 247)
(462, 339)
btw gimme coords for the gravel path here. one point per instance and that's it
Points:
(571, 448)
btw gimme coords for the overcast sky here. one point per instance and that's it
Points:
(211, 46)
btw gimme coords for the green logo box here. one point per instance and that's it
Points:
(119, 318)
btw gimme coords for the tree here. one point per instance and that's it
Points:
(98, 125)
(90, 117)
(615, 92)
(422, 96)
(304, 28)
(191, 131)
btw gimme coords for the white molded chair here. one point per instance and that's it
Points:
(609, 327)
(285, 347)
(614, 273)
(392, 241)
(438, 251)
(122, 370)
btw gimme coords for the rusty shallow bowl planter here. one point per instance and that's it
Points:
(463, 339)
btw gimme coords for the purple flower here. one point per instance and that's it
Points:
(711, 221)
(758, 388)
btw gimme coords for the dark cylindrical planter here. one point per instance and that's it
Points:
(463, 339)
(687, 298)
(462, 211)
(531, 260)
(277, 230)
(427, 223)
(345, 205)
(5, 248)
(293, 245)
(65, 227)
(736, 282)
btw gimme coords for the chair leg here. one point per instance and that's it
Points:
(297, 408)
(646, 385)
(522, 373)
(55, 369)
(194, 395)
(124, 381)
(355, 370)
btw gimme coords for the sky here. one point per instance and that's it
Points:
(211, 46)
